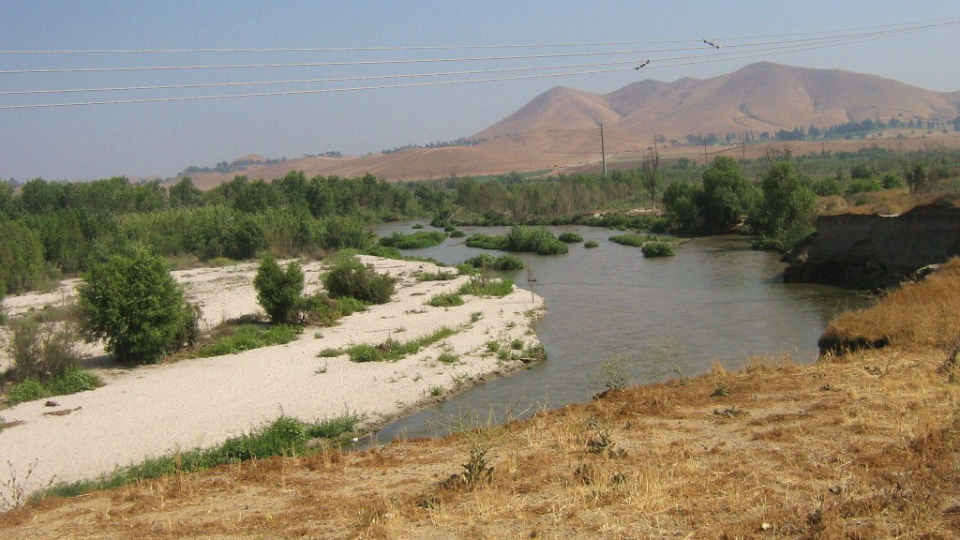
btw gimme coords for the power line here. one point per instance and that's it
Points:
(451, 60)
(786, 47)
(450, 47)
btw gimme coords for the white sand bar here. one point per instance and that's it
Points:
(155, 410)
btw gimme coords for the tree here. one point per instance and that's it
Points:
(133, 303)
(650, 168)
(279, 290)
(786, 211)
(21, 257)
(726, 195)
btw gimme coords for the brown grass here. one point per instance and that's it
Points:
(920, 314)
(866, 447)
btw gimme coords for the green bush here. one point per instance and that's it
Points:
(72, 381)
(28, 390)
(21, 257)
(863, 185)
(590, 244)
(457, 234)
(445, 300)
(486, 241)
(507, 263)
(134, 305)
(570, 238)
(538, 240)
(417, 240)
(658, 249)
(350, 277)
(279, 290)
(501, 263)
(364, 353)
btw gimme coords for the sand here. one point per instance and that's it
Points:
(159, 409)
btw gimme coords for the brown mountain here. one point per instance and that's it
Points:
(759, 97)
(558, 128)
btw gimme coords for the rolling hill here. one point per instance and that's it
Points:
(558, 129)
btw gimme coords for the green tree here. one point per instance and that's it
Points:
(184, 194)
(21, 257)
(727, 196)
(786, 211)
(279, 290)
(133, 303)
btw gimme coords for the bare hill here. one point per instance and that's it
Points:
(759, 97)
(558, 128)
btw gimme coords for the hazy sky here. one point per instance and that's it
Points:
(162, 138)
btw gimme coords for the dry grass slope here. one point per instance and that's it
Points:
(860, 446)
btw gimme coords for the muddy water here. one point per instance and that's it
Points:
(715, 301)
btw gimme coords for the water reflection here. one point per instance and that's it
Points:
(715, 301)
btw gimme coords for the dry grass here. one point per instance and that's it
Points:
(920, 314)
(866, 447)
(886, 202)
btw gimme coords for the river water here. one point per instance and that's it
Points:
(717, 300)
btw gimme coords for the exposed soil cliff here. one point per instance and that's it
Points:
(870, 251)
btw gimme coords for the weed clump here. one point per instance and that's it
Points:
(348, 277)
(417, 240)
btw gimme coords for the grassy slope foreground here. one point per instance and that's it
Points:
(864, 445)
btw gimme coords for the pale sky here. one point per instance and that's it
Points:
(162, 138)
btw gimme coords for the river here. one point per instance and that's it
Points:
(717, 300)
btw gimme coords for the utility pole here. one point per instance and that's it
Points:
(603, 151)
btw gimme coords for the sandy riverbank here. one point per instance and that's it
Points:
(154, 410)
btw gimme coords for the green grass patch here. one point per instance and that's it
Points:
(392, 349)
(445, 300)
(246, 337)
(487, 287)
(284, 436)
(591, 244)
(632, 240)
(417, 240)
(448, 358)
(570, 238)
(70, 381)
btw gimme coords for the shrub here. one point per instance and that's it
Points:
(445, 300)
(41, 355)
(658, 249)
(350, 277)
(28, 390)
(73, 380)
(502, 263)
(442, 275)
(508, 262)
(134, 305)
(279, 290)
(590, 244)
(570, 238)
(457, 234)
(632, 240)
(486, 241)
(21, 257)
(448, 358)
(417, 240)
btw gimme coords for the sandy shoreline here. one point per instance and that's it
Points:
(155, 410)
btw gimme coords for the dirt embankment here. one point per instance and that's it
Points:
(875, 251)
